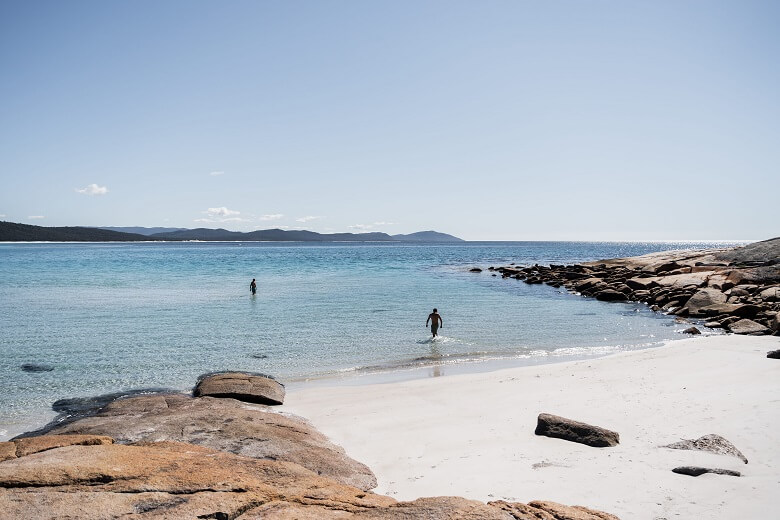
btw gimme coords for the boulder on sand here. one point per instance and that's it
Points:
(713, 443)
(561, 428)
(695, 471)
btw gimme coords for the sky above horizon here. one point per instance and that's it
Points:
(497, 120)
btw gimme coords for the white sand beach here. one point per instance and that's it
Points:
(473, 434)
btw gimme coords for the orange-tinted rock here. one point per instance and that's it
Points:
(225, 424)
(7, 451)
(29, 445)
(562, 512)
(176, 480)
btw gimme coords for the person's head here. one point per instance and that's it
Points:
(435, 309)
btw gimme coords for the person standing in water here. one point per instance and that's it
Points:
(436, 322)
(253, 287)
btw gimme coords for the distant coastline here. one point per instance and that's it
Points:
(15, 232)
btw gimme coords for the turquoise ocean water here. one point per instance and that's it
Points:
(108, 317)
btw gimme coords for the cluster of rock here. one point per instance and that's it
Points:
(734, 289)
(713, 444)
(172, 456)
(557, 427)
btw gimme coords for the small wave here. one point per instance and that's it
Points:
(437, 340)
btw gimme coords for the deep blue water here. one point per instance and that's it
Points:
(118, 316)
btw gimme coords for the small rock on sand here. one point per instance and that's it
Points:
(561, 428)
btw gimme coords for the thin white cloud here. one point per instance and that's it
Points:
(221, 212)
(220, 215)
(307, 218)
(3, 215)
(216, 174)
(365, 227)
(35, 217)
(275, 216)
(92, 189)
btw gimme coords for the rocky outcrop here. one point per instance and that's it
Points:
(695, 471)
(721, 287)
(561, 428)
(773, 354)
(172, 456)
(252, 388)
(164, 480)
(692, 330)
(171, 480)
(229, 425)
(545, 510)
(712, 443)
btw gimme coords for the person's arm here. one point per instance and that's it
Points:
(441, 322)
(429, 319)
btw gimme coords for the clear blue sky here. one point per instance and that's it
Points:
(503, 120)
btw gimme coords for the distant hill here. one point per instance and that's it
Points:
(12, 232)
(427, 236)
(142, 230)
(272, 235)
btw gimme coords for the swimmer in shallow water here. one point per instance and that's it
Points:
(436, 321)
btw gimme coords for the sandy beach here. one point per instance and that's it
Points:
(473, 434)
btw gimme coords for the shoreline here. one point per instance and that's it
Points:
(473, 434)
(402, 371)
(457, 365)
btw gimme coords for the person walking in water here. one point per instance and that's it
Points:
(436, 322)
(253, 287)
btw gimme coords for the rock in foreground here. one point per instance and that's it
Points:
(561, 428)
(170, 480)
(228, 425)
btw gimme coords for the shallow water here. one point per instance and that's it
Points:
(89, 319)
